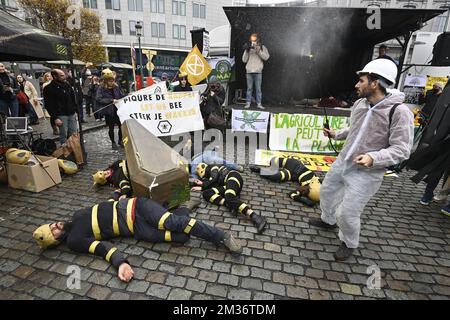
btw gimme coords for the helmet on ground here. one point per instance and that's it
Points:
(383, 68)
(100, 178)
(314, 189)
(200, 170)
(17, 156)
(68, 167)
(44, 237)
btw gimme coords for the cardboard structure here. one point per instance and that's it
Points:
(33, 177)
(156, 171)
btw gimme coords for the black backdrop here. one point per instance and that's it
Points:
(315, 51)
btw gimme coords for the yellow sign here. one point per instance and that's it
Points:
(196, 67)
(312, 162)
(432, 80)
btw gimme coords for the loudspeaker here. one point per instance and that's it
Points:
(200, 37)
(441, 50)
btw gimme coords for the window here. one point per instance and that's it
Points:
(108, 4)
(114, 26)
(116, 4)
(133, 27)
(182, 8)
(161, 6)
(92, 4)
(154, 30)
(196, 10)
(154, 5)
(135, 5)
(162, 30)
(110, 26)
(182, 32)
(176, 31)
(175, 8)
(202, 11)
(118, 26)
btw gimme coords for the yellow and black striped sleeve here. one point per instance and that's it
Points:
(213, 177)
(104, 249)
(125, 188)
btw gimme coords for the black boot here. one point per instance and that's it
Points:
(114, 146)
(259, 222)
(255, 168)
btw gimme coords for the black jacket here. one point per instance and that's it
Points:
(179, 88)
(59, 99)
(213, 104)
(430, 100)
(106, 97)
(6, 79)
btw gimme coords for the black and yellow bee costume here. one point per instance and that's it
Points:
(222, 186)
(140, 218)
(288, 169)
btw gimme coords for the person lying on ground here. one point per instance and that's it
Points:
(140, 218)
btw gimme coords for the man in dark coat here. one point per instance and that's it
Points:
(432, 157)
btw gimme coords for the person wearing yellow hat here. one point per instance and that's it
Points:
(139, 218)
(107, 94)
(430, 98)
(222, 186)
(117, 176)
(184, 84)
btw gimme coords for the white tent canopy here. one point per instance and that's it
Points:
(220, 41)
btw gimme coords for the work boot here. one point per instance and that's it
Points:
(247, 105)
(426, 198)
(319, 223)
(231, 243)
(446, 210)
(240, 168)
(191, 204)
(114, 146)
(260, 106)
(259, 222)
(343, 253)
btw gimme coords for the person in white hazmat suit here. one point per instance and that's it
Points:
(376, 139)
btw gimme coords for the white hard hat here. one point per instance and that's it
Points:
(384, 68)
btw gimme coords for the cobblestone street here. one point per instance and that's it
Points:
(410, 244)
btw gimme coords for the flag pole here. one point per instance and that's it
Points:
(133, 62)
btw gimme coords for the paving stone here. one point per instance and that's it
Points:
(277, 289)
(294, 269)
(8, 265)
(119, 296)
(138, 286)
(263, 296)
(174, 281)
(208, 276)
(228, 279)
(239, 294)
(240, 270)
(156, 277)
(350, 289)
(196, 285)
(98, 293)
(99, 278)
(222, 267)
(261, 273)
(217, 290)
(250, 283)
(284, 278)
(318, 295)
(44, 292)
(7, 281)
(158, 291)
(297, 292)
(272, 247)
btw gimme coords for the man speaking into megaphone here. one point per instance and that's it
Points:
(255, 53)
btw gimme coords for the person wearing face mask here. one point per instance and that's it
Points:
(381, 135)
(212, 99)
(430, 99)
(255, 54)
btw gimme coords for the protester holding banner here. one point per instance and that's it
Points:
(184, 84)
(255, 53)
(108, 92)
(380, 135)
